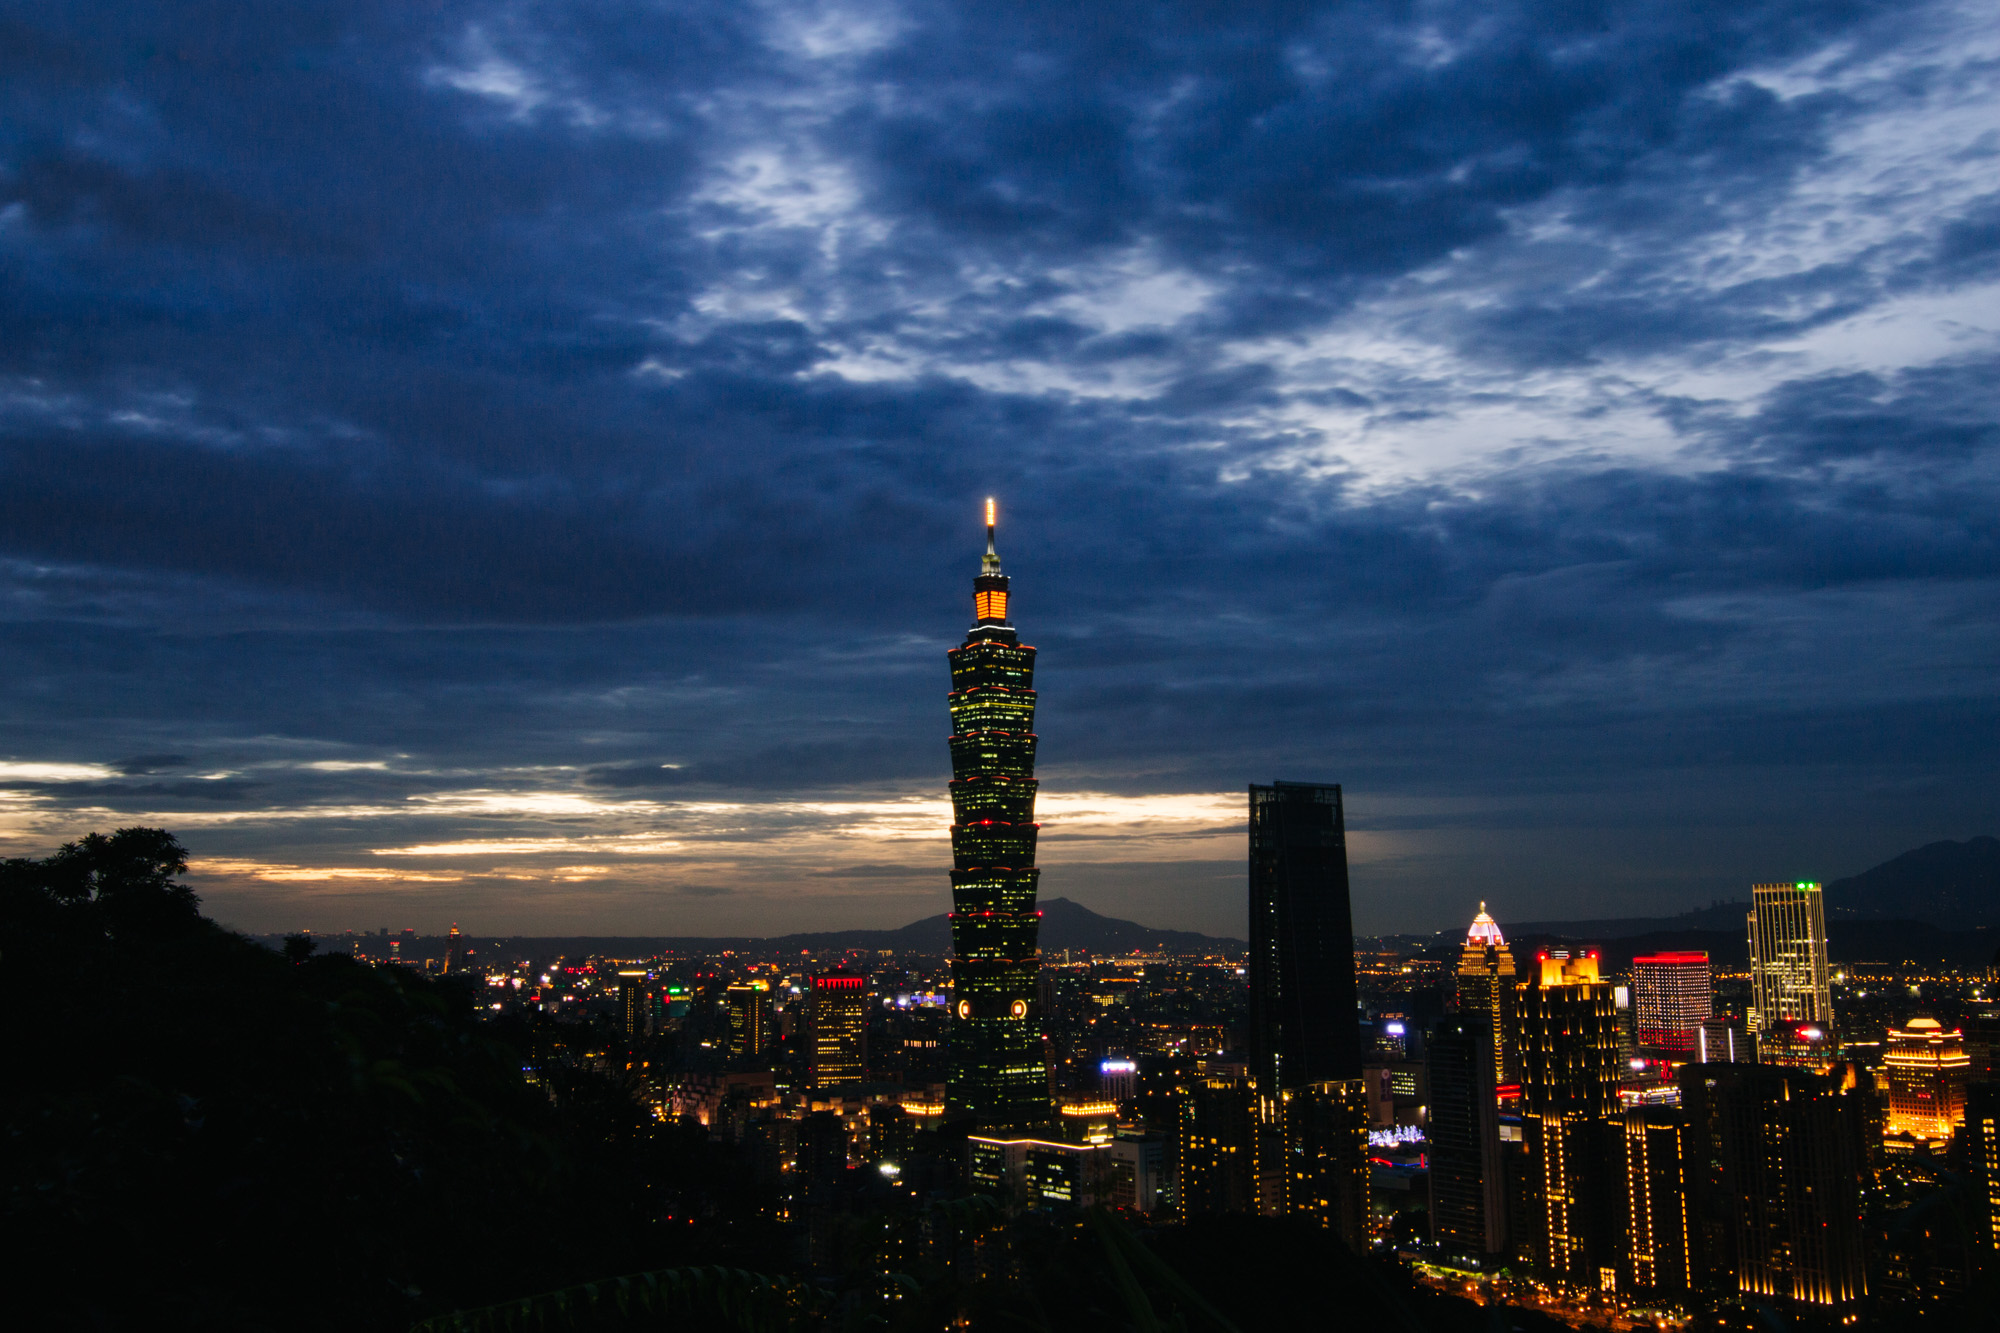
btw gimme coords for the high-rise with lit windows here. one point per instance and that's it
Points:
(1672, 996)
(1565, 1030)
(1658, 1254)
(635, 1002)
(1774, 1184)
(1485, 976)
(1791, 995)
(997, 1072)
(749, 1018)
(838, 1019)
(1215, 1147)
(1928, 1070)
(1982, 1157)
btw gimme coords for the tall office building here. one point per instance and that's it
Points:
(1304, 1024)
(1658, 1254)
(452, 958)
(1774, 1192)
(1791, 998)
(998, 1070)
(1565, 1031)
(839, 1029)
(749, 1019)
(1928, 1070)
(1672, 996)
(1468, 1200)
(1305, 1031)
(635, 1002)
(1485, 977)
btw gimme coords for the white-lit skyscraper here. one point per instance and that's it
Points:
(1788, 971)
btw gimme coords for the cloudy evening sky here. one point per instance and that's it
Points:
(521, 463)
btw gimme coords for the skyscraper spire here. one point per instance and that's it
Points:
(991, 563)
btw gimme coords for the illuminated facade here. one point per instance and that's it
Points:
(453, 958)
(1928, 1070)
(1485, 976)
(634, 1003)
(997, 1072)
(839, 1023)
(1788, 970)
(1672, 996)
(1565, 1032)
(749, 1019)
(1658, 1230)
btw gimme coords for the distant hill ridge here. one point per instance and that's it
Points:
(1065, 925)
(1950, 885)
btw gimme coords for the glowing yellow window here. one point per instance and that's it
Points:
(991, 605)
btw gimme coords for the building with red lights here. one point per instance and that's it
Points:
(839, 1029)
(1672, 996)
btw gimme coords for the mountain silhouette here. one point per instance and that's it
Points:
(1955, 885)
(1066, 925)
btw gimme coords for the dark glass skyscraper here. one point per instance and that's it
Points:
(1304, 1027)
(997, 1070)
(1305, 1032)
(1468, 1202)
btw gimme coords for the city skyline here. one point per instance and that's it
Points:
(508, 464)
(1469, 805)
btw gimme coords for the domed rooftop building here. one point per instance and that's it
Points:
(1485, 975)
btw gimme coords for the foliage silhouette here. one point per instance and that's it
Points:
(203, 1133)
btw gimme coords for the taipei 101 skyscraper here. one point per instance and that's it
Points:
(997, 1071)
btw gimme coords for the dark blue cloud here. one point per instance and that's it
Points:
(404, 408)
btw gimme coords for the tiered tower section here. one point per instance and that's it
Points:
(998, 1074)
